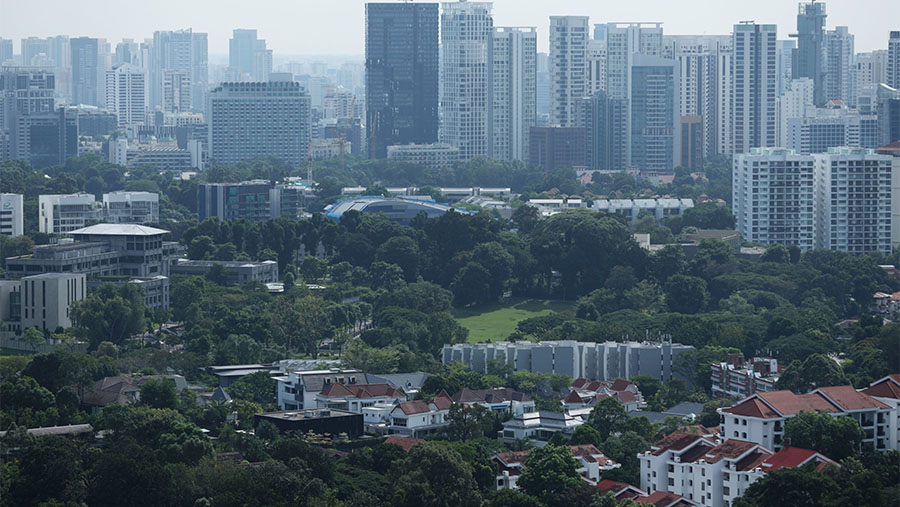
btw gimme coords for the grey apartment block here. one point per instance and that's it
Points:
(600, 361)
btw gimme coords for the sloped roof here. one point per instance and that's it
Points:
(580, 382)
(791, 457)
(572, 398)
(498, 395)
(413, 407)
(512, 458)
(362, 391)
(789, 403)
(674, 442)
(109, 390)
(220, 395)
(621, 384)
(625, 397)
(752, 407)
(406, 443)
(442, 402)
(729, 449)
(664, 499)
(887, 387)
(849, 398)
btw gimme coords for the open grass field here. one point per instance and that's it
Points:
(497, 321)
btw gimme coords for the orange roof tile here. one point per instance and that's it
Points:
(729, 449)
(406, 443)
(413, 407)
(674, 442)
(752, 407)
(849, 398)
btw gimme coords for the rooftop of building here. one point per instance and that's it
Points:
(119, 230)
(362, 391)
(313, 413)
(227, 264)
(405, 443)
(498, 395)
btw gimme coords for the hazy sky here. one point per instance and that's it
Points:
(338, 26)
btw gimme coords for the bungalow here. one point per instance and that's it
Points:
(591, 463)
(505, 400)
(417, 418)
(110, 390)
(539, 426)
(585, 392)
(356, 397)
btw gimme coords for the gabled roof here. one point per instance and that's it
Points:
(791, 457)
(580, 382)
(887, 387)
(752, 407)
(620, 490)
(406, 443)
(625, 397)
(442, 402)
(782, 403)
(573, 398)
(109, 390)
(621, 384)
(498, 395)
(665, 499)
(729, 449)
(848, 398)
(220, 395)
(674, 442)
(362, 391)
(412, 407)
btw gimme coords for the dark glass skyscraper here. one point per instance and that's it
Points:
(809, 60)
(401, 75)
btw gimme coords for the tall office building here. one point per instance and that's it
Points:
(888, 110)
(655, 122)
(61, 58)
(176, 91)
(513, 91)
(839, 65)
(6, 50)
(180, 50)
(568, 67)
(35, 51)
(543, 88)
(465, 86)
(853, 208)
(623, 42)
(786, 50)
(248, 56)
(127, 94)
(773, 197)
(248, 120)
(809, 60)
(45, 139)
(596, 67)
(127, 51)
(754, 80)
(893, 60)
(85, 69)
(25, 91)
(401, 75)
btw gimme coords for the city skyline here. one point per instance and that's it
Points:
(320, 29)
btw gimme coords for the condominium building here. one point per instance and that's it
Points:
(180, 51)
(433, 156)
(40, 301)
(11, 218)
(853, 193)
(85, 71)
(513, 91)
(706, 472)
(839, 65)
(124, 207)
(773, 197)
(888, 100)
(176, 91)
(794, 102)
(60, 213)
(785, 57)
(893, 60)
(401, 75)
(760, 418)
(127, 94)
(601, 361)
(253, 119)
(252, 200)
(595, 63)
(466, 34)
(632, 209)
(736, 377)
(754, 84)
(822, 128)
(569, 37)
(6, 50)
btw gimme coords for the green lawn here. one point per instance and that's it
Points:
(497, 321)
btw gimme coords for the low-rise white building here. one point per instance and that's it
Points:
(124, 207)
(631, 208)
(504, 400)
(418, 418)
(298, 389)
(41, 301)
(760, 417)
(591, 463)
(712, 473)
(59, 213)
(539, 427)
(433, 156)
(356, 397)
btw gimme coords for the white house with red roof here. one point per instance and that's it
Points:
(356, 397)
(591, 463)
(714, 473)
(760, 417)
(418, 418)
(887, 391)
(589, 392)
